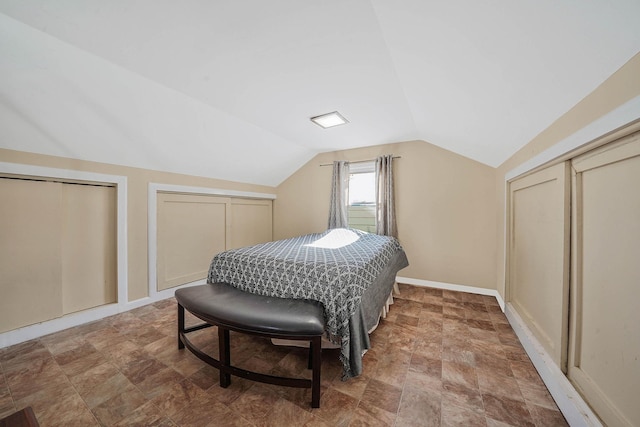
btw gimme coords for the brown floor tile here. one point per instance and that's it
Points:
(456, 328)
(426, 365)
(452, 312)
(448, 295)
(21, 351)
(147, 415)
(26, 361)
(82, 363)
(256, 402)
(57, 344)
(336, 408)
(178, 397)
(485, 325)
(382, 395)
(371, 416)
(203, 411)
(439, 358)
(100, 383)
(546, 417)
(460, 373)
(6, 402)
(183, 362)
(70, 411)
(516, 354)
(484, 335)
(164, 345)
(120, 406)
(457, 355)
(82, 349)
(402, 339)
(34, 376)
(433, 291)
(498, 384)
(142, 367)
(230, 420)
(455, 416)
(354, 387)
(494, 363)
(285, 413)
(205, 377)
(462, 396)
(525, 372)
(144, 336)
(408, 308)
(537, 395)
(507, 410)
(105, 338)
(419, 407)
(159, 382)
(393, 367)
(432, 307)
(432, 299)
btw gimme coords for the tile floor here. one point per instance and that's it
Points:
(440, 358)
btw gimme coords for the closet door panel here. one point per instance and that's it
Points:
(605, 345)
(539, 256)
(30, 257)
(251, 222)
(89, 277)
(191, 230)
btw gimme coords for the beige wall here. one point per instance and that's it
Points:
(137, 187)
(446, 215)
(621, 87)
(447, 222)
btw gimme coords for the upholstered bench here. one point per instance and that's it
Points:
(231, 309)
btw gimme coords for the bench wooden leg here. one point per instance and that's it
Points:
(316, 359)
(224, 356)
(180, 326)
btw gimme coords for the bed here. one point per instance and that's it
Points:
(351, 272)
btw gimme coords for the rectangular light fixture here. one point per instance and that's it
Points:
(329, 120)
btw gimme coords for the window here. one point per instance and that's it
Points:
(362, 196)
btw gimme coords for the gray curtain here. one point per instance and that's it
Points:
(338, 217)
(385, 203)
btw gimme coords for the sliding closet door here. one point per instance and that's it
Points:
(605, 346)
(539, 256)
(89, 277)
(251, 222)
(30, 256)
(191, 229)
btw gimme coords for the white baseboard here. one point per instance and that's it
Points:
(573, 407)
(38, 330)
(452, 287)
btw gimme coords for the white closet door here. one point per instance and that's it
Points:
(191, 230)
(30, 255)
(539, 256)
(604, 360)
(89, 268)
(251, 222)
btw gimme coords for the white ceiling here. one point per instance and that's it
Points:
(225, 89)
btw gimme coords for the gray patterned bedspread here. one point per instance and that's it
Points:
(335, 267)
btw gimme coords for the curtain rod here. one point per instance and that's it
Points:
(360, 161)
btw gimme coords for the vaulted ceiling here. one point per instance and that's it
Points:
(225, 88)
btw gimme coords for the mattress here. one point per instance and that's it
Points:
(349, 271)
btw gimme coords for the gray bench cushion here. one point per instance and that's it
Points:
(227, 306)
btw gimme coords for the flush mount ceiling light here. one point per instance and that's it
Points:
(329, 120)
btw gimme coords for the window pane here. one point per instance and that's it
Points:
(362, 188)
(362, 201)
